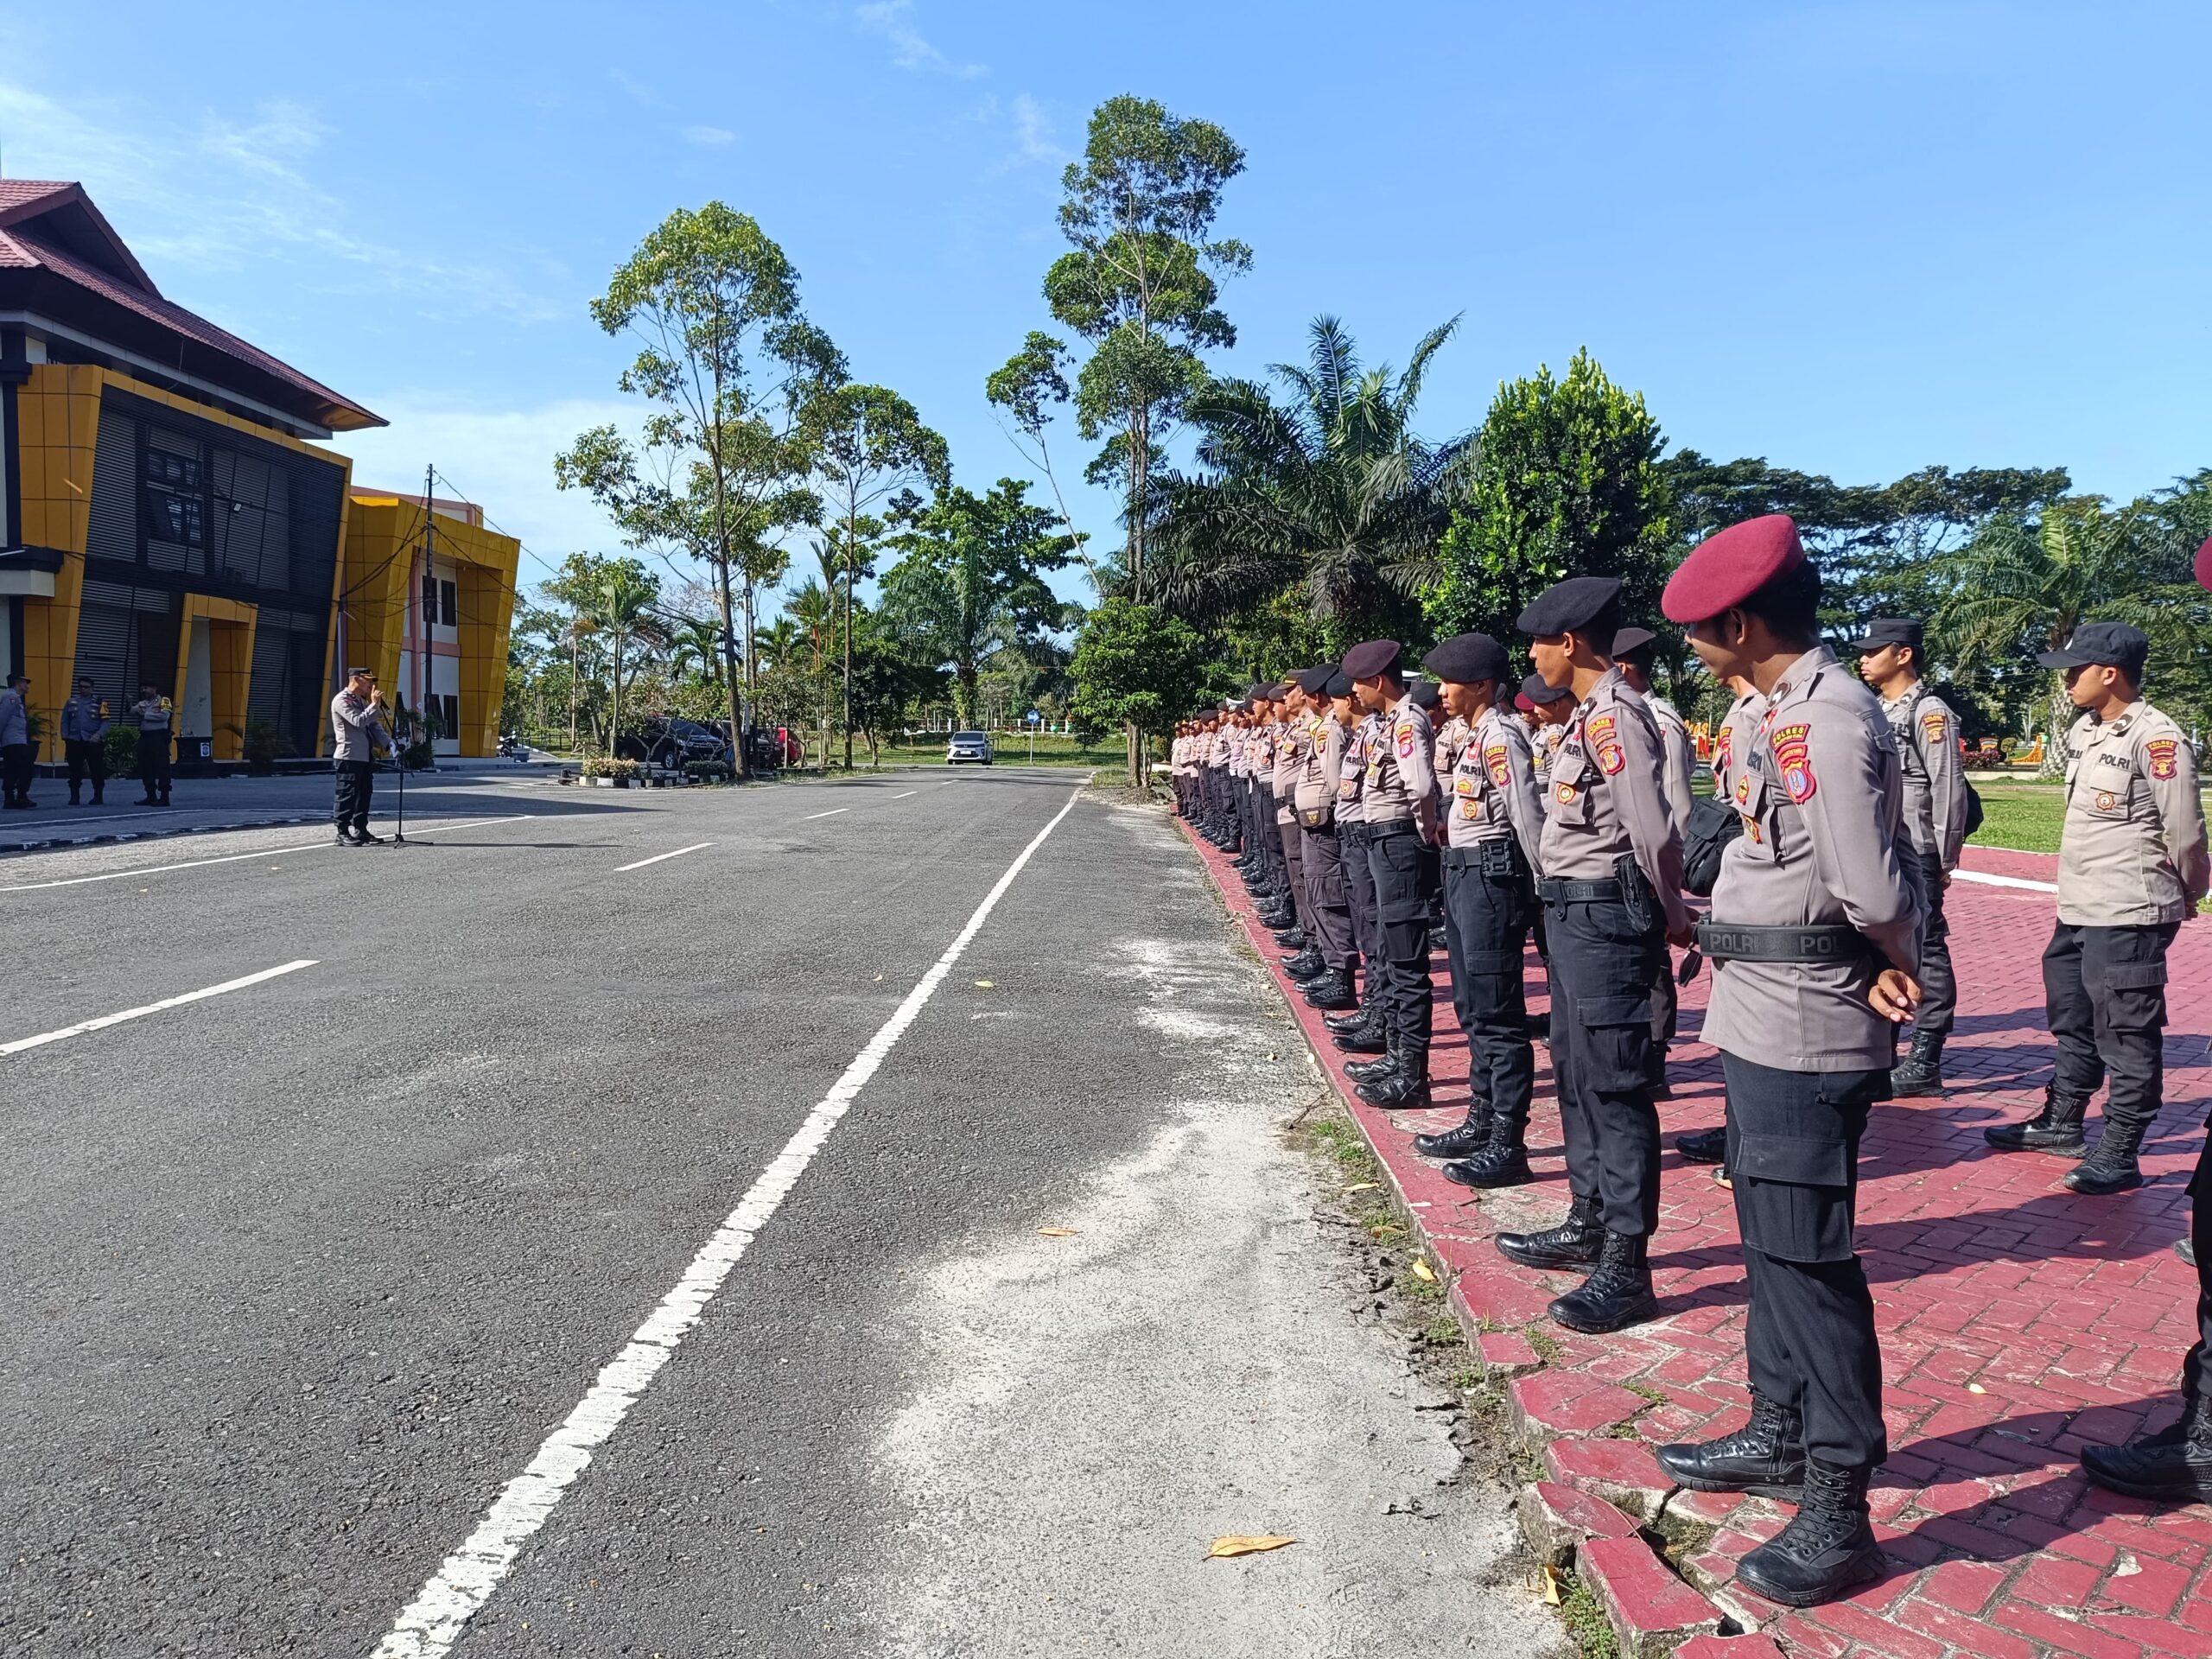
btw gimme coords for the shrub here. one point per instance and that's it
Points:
(600, 766)
(719, 771)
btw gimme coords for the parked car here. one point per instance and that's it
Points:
(967, 746)
(664, 741)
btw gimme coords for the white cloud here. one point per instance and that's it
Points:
(1032, 133)
(712, 137)
(892, 19)
(275, 144)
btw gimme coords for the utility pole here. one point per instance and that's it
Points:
(421, 608)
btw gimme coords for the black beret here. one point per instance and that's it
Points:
(1255, 691)
(1314, 681)
(1890, 631)
(1424, 694)
(1466, 658)
(1372, 658)
(1580, 602)
(1535, 690)
(1628, 641)
(1339, 684)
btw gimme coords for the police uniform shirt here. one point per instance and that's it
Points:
(1543, 744)
(1934, 772)
(1351, 777)
(1322, 766)
(1813, 771)
(1401, 767)
(1290, 760)
(1239, 744)
(1453, 735)
(1607, 796)
(1223, 748)
(1730, 744)
(82, 721)
(1681, 758)
(1493, 788)
(2131, 850)
(152, 716)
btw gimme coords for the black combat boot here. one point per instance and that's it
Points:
(1504, 1162)
(2057, 1129)
(1291, 938)
(1919, 1076)
(1384, 1063)
(2111, 1166)
(1703, 1146)
(1573, 1244)
(1655, 1073)
(1306, 963)
(1332, 990)
(1766, 1457)
(1825, 1550)
(1357, 1020)
(73, 801)
(1405, 1087)
(1469, 1136)
(1617, 1293)
(2176, 1462)
(1275, 913)
(1371, 1035)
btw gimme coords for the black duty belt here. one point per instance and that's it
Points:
(1390, 826)
(1353, 830)
(1555, 890)
(1460, 858)
(1815, 942)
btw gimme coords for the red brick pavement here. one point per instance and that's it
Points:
(2017, 1321)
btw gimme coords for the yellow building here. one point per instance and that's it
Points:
(168, 517)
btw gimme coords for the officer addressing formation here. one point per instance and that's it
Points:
(1560, 810)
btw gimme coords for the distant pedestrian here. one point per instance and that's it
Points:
(16, 750)
(84, 742)
(356, 728)
(154, 720)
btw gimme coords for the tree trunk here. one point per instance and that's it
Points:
(2062, 716)
(729, 658)
(1133, 750)
(852, 529)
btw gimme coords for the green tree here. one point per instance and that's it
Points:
(1137, 667)
(695, 645)
(729, 364)
(1568, 484)
(969, 587)
(1330, 491)
(873, 454)
(622, 604)
(1029, 386)
(1140, 286)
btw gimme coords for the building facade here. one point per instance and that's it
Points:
(169, 518)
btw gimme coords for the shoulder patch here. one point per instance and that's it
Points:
(1494, 757)
(2164, 752)
(1793, 754)
(1724, 745)
(1933, 726)
(1604, 733)
(1405, 740)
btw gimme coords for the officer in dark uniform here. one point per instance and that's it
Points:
(2177, 1461)
(154, 731)
(1612, 894)
(1366, 1030)
(1398, 802)
(1813, 941)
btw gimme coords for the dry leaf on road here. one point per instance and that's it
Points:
(982, 984)
(1421, 1270)
(1233, 1545)
(1056, 1233)
(1550, 1590)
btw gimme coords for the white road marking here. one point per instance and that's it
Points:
(433, 1622)
(903, 796)
(2004, 881)
(107, 1019)
(831, 813)
(657, 857)
(233, 858)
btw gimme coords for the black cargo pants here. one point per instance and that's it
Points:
(355, 782)
(2105, 996)
(1359, 899)
(1603, 959)
(1394, 858)
(1939, 985)
(1323, 854)
(1793, 1156)
(1488, 898)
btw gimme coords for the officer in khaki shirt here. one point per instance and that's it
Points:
(1312, 801)
(1366, 1031)
(2132, 867)
(1813, 940)
(1612, 891)
(1398, 802)
(1291, 709)
(2176, 1462)
(1926, 730)
(1634, 650)
(1493, 823)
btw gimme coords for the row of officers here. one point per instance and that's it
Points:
(83, 743)
(1560, 808)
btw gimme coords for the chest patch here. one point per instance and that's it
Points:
(1604, 733)
(1793, 754)
(2163, 753)
(1742, 789)
(1501, 773)
(1932, 725)
(1752, 829)
(1565, 794)
(2107, 800)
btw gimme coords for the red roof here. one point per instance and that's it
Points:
(50, 230)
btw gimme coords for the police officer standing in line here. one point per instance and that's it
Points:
(1550, 708)
(1634, 649)
(1732, 739)
(84, 742)
(1366, 1029)
(1217, 772)
(2177, 1461)
(1313, 802)
(1927, 729)
(152, 712)
(1398, 801)
(1813, 939)
(16, 751)
(357, 728)
(1493, 824)
(1291, 709)
(2132, 869)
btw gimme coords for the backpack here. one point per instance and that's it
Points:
(1713, 825)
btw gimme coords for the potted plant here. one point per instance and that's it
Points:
(258, 746)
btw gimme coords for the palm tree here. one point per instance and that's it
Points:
(779, 643)
(813, 605)
(621, 606)
(1329, 490)
(696, 642)
(2023, 587)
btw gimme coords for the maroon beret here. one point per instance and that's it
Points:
(1521, 701)
(1730, 565)
(2204, 564)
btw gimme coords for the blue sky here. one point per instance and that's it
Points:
(1855, 239)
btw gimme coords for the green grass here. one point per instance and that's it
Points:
(2023, 817)
(1586, 1623)
(1008, 748)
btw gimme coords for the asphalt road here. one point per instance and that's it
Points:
(304, 1273)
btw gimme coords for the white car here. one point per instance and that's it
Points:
(967, 746)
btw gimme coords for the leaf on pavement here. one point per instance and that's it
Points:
(1976, 1387)
(1235, 1545)
(1421, 1271)
(1362, 1186)
(982, 984)
(1550, 1591)
(1056, 1233)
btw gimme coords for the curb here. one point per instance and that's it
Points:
(1600, 1491)
(158, 834)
